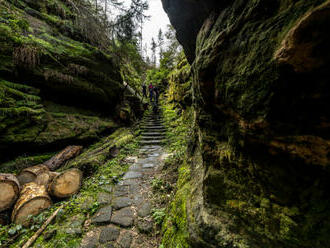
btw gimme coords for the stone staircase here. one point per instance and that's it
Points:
(125, 218)
(153, 131)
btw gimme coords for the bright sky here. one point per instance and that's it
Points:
(158, 19)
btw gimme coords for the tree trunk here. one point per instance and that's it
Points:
(30, 174)
(66, 183)
(33, 199)
(9, 190)
(46, 178)
(68, 153)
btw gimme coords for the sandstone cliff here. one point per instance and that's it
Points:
(259, 160)
(57, 87)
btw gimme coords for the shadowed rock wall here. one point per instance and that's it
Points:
(260, 158)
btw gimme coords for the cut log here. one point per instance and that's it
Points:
(30, 174)
(9, 190)
(46, 178)
(68, 153)
(33, 199)
(66, 183)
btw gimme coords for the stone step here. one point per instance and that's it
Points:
(154, 127)
(151, 142)
(152, 118)
(152, 137)
(152, 134)
(155, 132)
(146, 132)
(152, 121)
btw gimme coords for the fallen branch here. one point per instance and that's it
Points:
(41, 229)
(66, 154)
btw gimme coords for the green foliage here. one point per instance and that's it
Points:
(132, 65)
(180, 82)
(158, 215)
(158, 76)
(169, 57)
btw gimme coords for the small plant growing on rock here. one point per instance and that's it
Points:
(158, 215)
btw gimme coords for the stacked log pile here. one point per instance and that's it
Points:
(30, 192)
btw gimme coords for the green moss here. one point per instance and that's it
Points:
(16, 165)
(175, 228)
(180, 81)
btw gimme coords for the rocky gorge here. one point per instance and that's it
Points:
(236, 155)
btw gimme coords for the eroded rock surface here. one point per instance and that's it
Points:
(260, 153)
(57, 87)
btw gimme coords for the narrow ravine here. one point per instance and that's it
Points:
(127, 221)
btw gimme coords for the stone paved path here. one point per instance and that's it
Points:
(125, 219)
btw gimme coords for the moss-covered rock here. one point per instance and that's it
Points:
(56, 86)
(260, 154)
(180, 81)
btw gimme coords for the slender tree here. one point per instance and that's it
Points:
(153, 50)
(160, 43)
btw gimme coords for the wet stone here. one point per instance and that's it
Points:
(103, 215)
(125, 240)
(109, 233)
(77, 221)
(131, 160)
(130, 182)
(121, 202)
(145, 226)
(135, 189)
(144, 210)
(148, 166)
(135, 167)
(154, 154)
(109, 245)
(123, 217)
(138, 199)
(74, 231)
(132, 174)
(121, 190)
(90, 240)
(147, 160)
(104, 198)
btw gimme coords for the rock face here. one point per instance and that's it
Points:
(56, 85)
(187, 17)
(260, 156)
